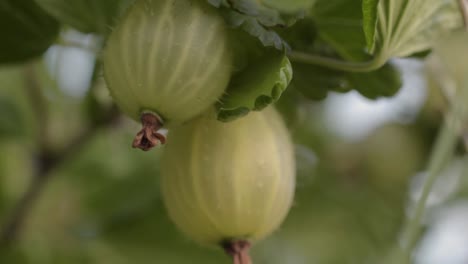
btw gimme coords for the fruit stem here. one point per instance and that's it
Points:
(238, 250)
(148, 137)
(337, 64)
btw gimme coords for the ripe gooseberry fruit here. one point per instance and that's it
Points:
(229, 184)
(167, 62)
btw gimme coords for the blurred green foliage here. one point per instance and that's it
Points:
(103, 205)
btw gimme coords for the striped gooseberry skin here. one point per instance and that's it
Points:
(231, 181)
(169, 57)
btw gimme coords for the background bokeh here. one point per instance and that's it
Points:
(360, 166)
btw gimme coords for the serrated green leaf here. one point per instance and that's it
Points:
(339, 23)
(267, 37)
(89, 16)
(289, 6)
(386, 81)
(266, 16)
(27, 31)
(402, 28)
(270, 18)
(302, 35)
(215, 3)
(406, 27)
(369, 13)
(315, 82)
(256, 19)
(261, 83)
(247, 7)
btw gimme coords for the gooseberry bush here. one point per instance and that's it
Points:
(225, 91)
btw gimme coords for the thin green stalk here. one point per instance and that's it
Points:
(337, 64)
(442, 152)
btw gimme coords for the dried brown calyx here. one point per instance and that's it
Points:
(238, 250)
(148, 137)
